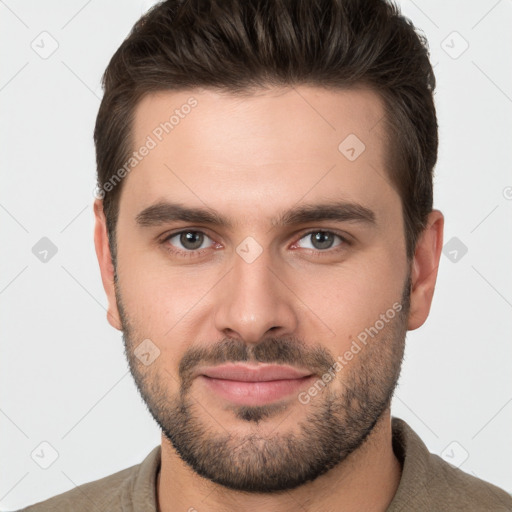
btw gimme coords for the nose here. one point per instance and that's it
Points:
(254, 303)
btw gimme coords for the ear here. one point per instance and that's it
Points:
(105, 261)
(424, 269)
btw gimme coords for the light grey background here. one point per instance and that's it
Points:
(63, 376)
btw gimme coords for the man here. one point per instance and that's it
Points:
(266, 238)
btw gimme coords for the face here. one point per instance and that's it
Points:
(262, 284)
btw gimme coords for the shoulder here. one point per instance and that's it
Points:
(114, 492)
(89, 496)
(430, 483)
(463, 490)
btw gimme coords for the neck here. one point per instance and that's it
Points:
(366, 480)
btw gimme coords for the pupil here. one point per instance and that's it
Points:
(322, 240)
(191, 239)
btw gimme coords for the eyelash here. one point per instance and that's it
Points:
(198, 252)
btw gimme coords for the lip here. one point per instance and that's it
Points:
(253, 384)
(253, 373)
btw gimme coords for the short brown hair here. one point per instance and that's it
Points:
(238, 45)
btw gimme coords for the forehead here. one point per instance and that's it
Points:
(302, 114)
(259, 150)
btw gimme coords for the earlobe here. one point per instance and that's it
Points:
(424, 269)
(105, 262)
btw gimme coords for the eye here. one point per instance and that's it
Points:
(189, 240)
(321, 240)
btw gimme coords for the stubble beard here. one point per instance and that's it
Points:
(336, 422)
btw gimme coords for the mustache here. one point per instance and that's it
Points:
(288, 351)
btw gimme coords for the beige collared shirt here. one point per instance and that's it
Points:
(427, 484)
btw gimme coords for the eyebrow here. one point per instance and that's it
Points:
(164, 212)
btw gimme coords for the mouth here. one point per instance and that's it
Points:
(245, 384)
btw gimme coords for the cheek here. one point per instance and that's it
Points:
(164, 303)
(351, 297)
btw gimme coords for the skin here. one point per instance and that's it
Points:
(251, 159)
